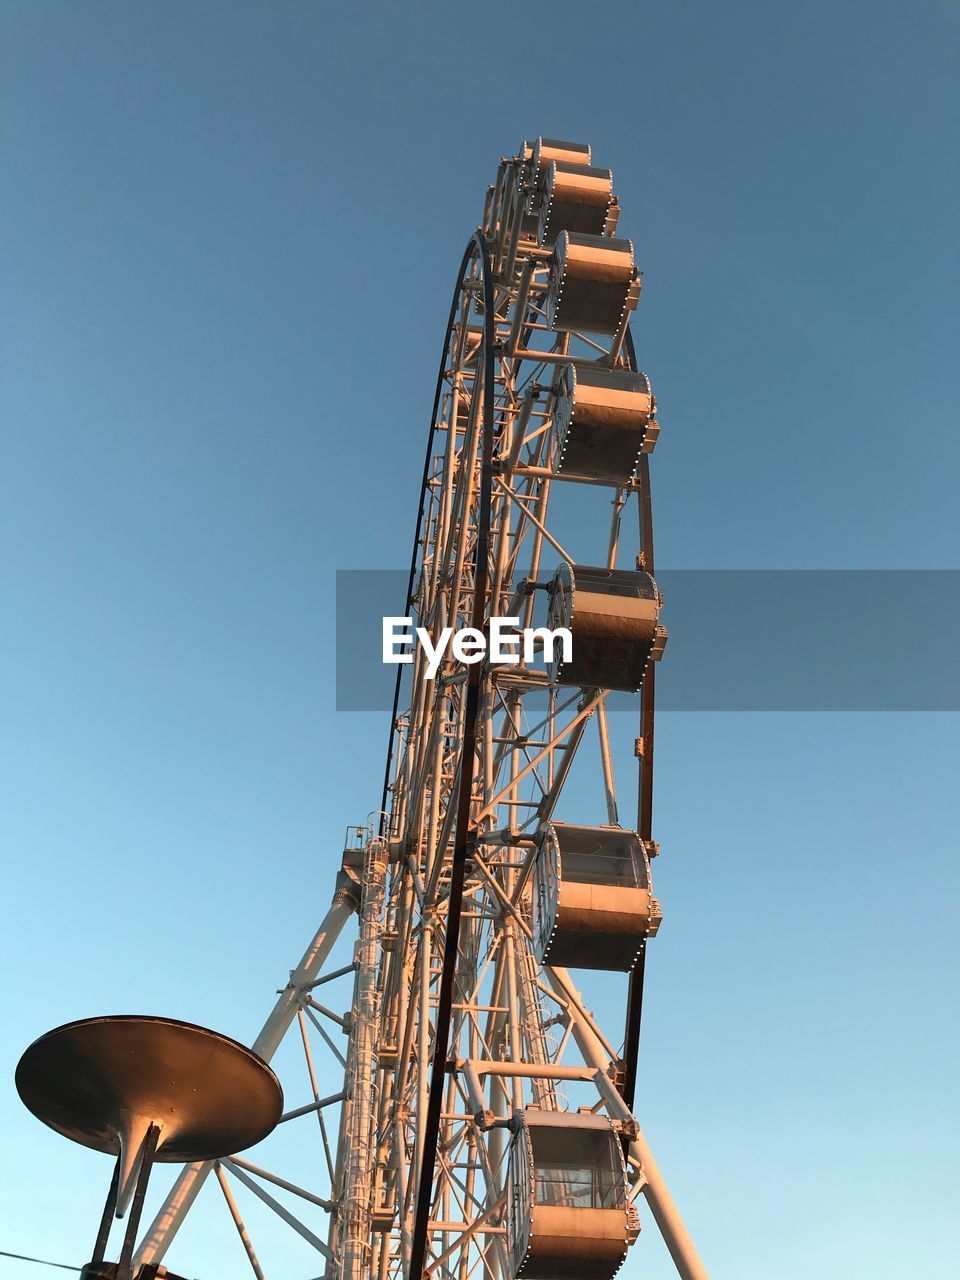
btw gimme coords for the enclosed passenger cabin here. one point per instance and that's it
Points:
(603, 420)
(593, 901)
(612, 616)
(575, 197)
(593, 283)
(546, 151)
(532, 177)
(568, 1217)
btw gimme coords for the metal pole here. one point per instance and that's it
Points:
(666, 1214)
(149, 1150)
(103, 1235)
(238, 1222)
(365, 1039)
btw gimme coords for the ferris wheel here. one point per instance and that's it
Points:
(482, 1123)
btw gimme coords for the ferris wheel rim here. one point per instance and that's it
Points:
(476, 245)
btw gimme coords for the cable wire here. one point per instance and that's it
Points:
(42, 1262)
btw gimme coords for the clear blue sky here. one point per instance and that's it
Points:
(229, 237)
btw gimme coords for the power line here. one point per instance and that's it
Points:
(43, 1262)
(61, 1266)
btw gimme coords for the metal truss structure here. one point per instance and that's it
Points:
(484, 1126)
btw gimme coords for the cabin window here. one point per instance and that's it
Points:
(615, 582)
(576, 1168)
(615, 860)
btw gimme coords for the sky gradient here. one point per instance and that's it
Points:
(229, 235)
